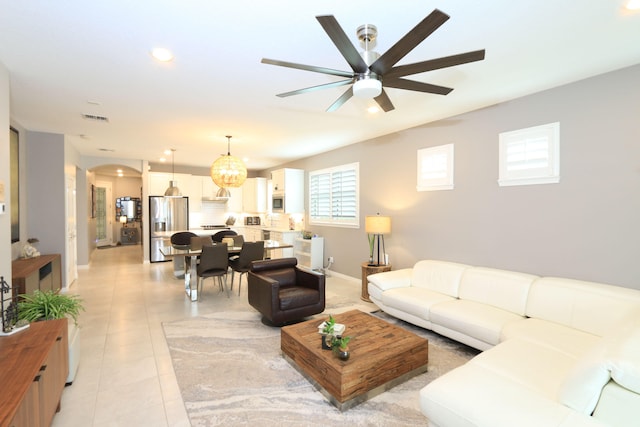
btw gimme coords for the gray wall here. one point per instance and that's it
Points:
(45, 191)
(585, 227)
(5, 179)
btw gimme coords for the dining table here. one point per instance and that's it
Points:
(191, 261)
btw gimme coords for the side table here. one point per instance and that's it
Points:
(366, 271)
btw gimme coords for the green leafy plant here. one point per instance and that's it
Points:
(372, 239)
(341, 342)
(329, 326)
(49, 305)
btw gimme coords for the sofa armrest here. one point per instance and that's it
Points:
(310, 279)
(263, 291)
(391, 279)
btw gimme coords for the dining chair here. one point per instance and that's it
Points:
(214, 262)
(180, 240)
(238, 240)
(221, 234)
(251, 251)
(197, 242)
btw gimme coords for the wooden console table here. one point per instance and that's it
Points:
(366, 271)
(42, 272)
(34, 369)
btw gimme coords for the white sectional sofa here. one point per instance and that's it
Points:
(556, 352)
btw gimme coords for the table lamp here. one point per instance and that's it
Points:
(123, 220)
(376, 227)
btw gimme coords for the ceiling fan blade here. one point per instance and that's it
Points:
(314, 88)
(384, 102)
(412, 39)
(344, 98)
(342, 42)
(417, 86)
(435, 64)
(313, 68)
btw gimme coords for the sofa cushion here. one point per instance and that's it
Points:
(583, 384)
(503, 289)
(390, 279)
(623, 350)
(415, 301)
(297, 296)
(589, 307)
(480, 321)
(472, 395)
(533, 366)
(562, 338)
(438, 276)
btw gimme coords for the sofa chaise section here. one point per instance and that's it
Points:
(556, 352)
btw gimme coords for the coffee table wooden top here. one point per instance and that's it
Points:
(382, 356)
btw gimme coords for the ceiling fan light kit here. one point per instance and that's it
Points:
(372, 72)
(367, 88)
(228, 171)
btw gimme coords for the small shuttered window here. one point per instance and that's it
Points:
(334, 196)
(435, 168)
(530, 156)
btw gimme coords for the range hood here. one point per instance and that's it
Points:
(222, 196)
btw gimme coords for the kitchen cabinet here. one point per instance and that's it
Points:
(254, 195)
(310, 252)
(290, 184)
(287, 237)
(251, 234)
(234, 204)
(159, 182)
(35, 368)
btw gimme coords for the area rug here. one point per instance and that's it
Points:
(231, 373)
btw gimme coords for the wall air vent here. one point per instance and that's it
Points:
(96, 118)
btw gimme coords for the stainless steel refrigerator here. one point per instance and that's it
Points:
(168, 215)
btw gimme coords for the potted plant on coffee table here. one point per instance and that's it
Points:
(329, 329)
(340, 347)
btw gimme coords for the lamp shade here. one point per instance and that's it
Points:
(228, 171)
(377, 224)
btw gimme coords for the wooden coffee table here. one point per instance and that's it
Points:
(382, 356)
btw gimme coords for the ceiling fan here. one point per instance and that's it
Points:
(373, 72)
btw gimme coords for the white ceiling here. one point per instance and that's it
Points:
(71, 57)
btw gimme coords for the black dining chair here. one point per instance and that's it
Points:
(214, 262)
(251, 251)
(180, 240)
(198, 242)
(222, 234)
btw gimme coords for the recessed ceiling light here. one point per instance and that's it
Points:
(167, 152)
(162, 54)
(373, 109)
(162, 159)
(119, 170)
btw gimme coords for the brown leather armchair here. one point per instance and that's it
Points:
(284, 293)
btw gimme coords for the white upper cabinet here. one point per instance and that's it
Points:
(290, 183)
(254, 195)
(159, 182)
(277, 180)
(234, 205)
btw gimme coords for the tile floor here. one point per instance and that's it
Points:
(125, 376)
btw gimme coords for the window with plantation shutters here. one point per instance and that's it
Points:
(334, 196)
(530, 156)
